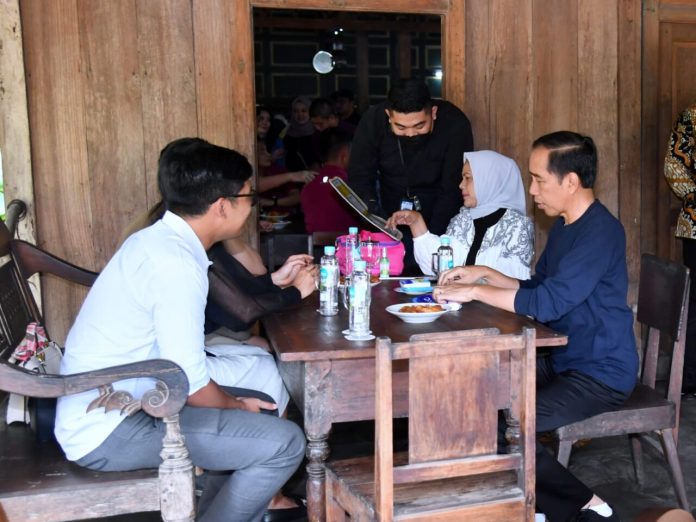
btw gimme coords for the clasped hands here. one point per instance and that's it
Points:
(299, 271)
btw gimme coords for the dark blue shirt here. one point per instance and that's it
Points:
(580, 289)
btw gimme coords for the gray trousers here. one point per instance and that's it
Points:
(263, 450)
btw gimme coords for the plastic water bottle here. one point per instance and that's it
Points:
(352, 245)
(445, 255)
(359, 300)
(328, 282)
(384, 264)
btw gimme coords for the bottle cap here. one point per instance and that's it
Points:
(329, 250)
(359, 265)
(352, 230)
(444, 240)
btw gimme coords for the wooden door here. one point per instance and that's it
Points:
(669, 47)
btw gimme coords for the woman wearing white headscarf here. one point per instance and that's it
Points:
(491, 228)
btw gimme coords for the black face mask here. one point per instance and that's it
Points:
(414, 142)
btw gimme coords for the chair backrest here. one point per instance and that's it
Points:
(457, 384)
(663, 303)
(276, 248)
(20, 260)
(17, 305)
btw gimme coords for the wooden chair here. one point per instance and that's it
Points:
(277, 247)
(322, 239)
(663, 297)
(457, 384)
(37, 483)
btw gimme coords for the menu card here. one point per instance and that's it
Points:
(359, 205)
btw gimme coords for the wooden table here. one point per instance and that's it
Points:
(332, 379)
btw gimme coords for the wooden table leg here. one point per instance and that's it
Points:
(317, 453)
(317, 426)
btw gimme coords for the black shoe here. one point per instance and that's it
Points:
(589, 515)
(296, 514)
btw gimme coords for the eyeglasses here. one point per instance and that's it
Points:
(253, 195)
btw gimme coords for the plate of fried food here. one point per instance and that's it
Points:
(420, 312)
(275, 216)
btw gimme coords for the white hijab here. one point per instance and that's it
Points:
(497, 183)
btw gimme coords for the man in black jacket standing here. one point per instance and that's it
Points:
(407, 154)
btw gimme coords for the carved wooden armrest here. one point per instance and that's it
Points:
(166, 398)
(31, 259)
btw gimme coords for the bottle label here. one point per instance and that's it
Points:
(384, 268)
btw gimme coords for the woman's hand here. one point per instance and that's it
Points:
(302, 176)
(285, 275)
(307, 280)
(408, 217)
(265, 226)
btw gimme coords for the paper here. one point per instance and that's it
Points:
(359, 205)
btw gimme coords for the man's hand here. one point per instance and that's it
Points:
(255, 405)
(285, 275)
(454, 292)
(302, 176)
(411, 218)
(478, 274)
(307, 280)
(462, 274)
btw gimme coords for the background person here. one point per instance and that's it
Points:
(491, 229)
(344, 105)
(323, 116)
(407, 155)
(324, 210)
(680, 173)
(301, 151)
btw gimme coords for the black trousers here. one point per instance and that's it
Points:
(563, 399)
(689, 382)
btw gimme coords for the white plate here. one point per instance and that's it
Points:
(413, 291)
(416, 317)
(280, 225)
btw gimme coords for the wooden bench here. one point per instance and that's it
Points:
(37, 483)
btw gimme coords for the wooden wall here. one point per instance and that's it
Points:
(109, 83)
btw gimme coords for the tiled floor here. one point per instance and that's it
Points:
(604, 464)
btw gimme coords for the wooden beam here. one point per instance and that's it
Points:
(454, 54)
(349, 23)
(368, 6)
(629, 85)
(362, 63)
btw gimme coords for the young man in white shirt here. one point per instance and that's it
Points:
(149, 303)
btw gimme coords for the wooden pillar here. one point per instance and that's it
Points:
(14, 117)
(362, 64)
(404, 53)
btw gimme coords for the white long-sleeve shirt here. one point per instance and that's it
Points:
(508, 246)
(147, 303)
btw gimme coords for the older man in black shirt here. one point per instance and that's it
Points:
(408, 153)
